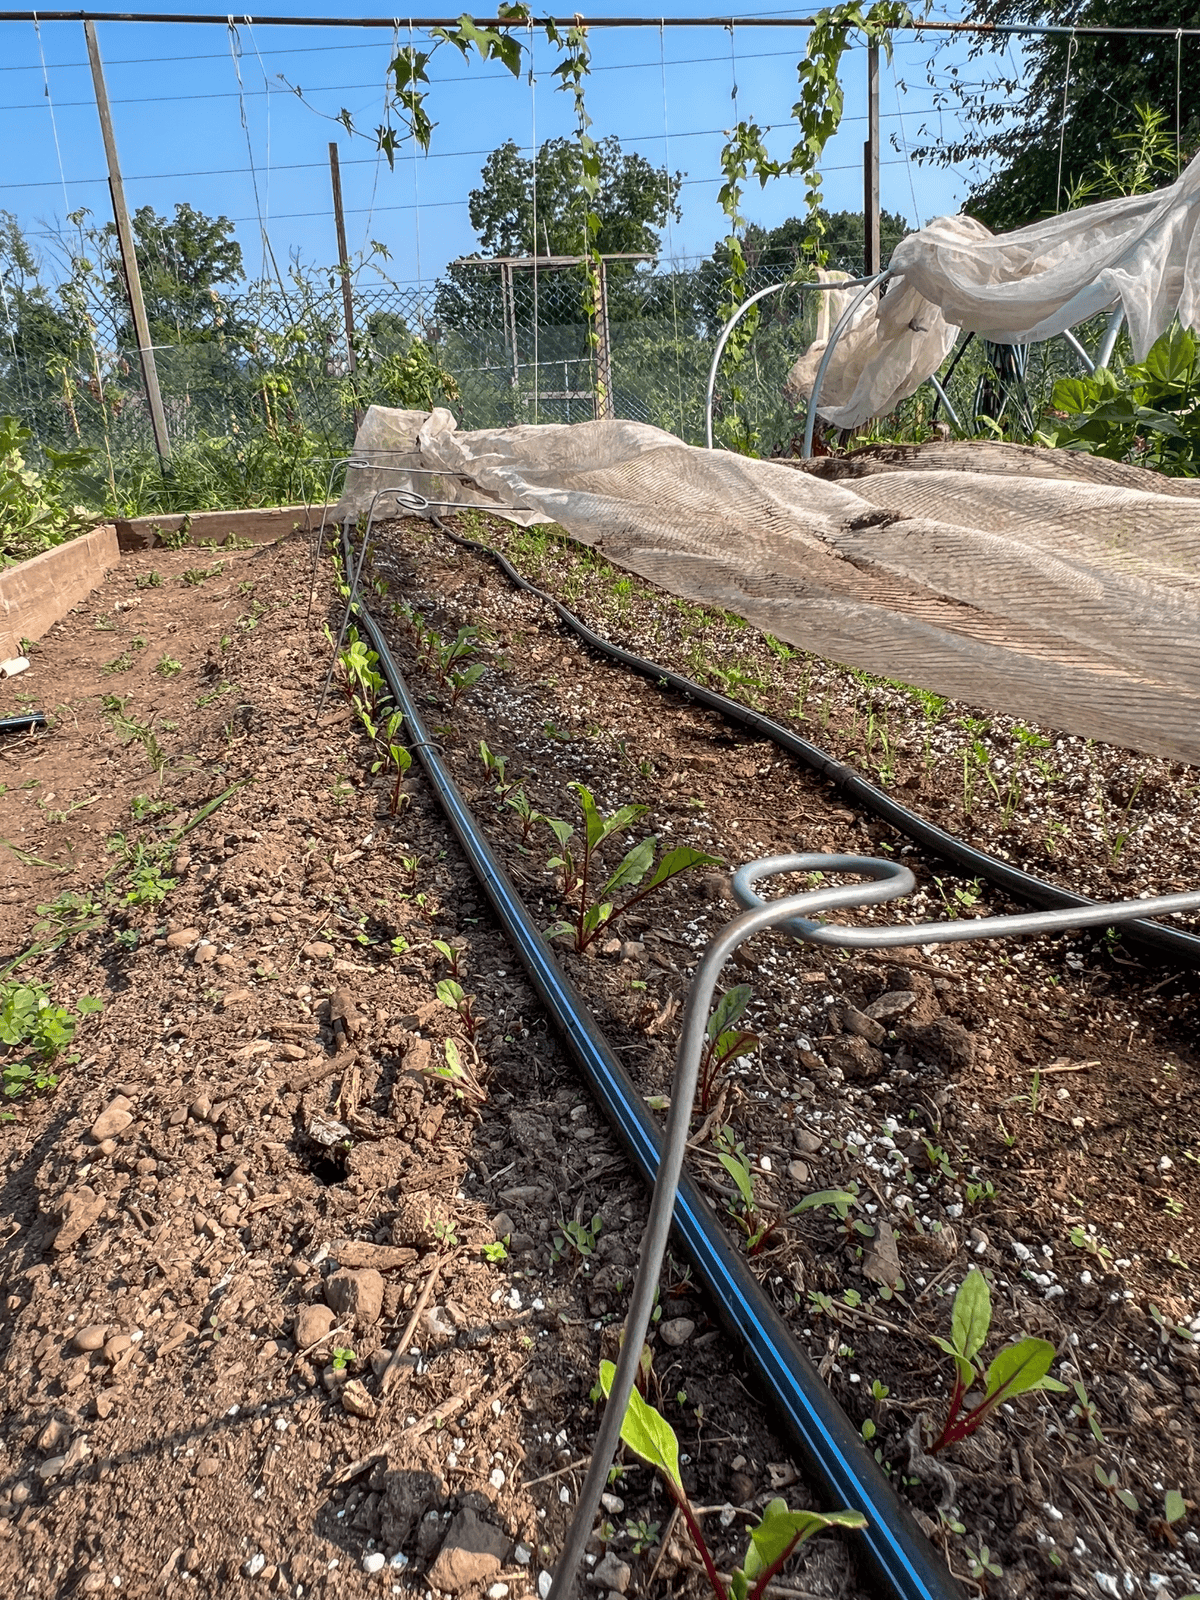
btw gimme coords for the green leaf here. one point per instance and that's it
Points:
(739, 1171)
(729, 1008)
(966, 1370)
(562, 831)
(781, 1530)
(599, 827)
(680, 860)
(649, 1435)
(450, 993)
(633, 868)
(1174, 1506)
(1021, 1368)
(840, 1199)
(972, 1314)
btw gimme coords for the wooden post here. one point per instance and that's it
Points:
(871, 243)
(339, 222)
(133, 282)
(509, 297)
(604, 394)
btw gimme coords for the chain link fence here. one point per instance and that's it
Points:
(272, 360)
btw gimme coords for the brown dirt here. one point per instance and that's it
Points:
(264, 975)
(210, 1442)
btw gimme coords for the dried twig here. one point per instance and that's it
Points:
(392, 1371)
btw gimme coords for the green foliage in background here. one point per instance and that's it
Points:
(1148, 414)
(35, 507)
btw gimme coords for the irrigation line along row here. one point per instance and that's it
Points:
(1177, 944)
(842, 1469)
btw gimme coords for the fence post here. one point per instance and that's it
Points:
(871, 241)
(604, 394)
(339, 222)
(133, 282)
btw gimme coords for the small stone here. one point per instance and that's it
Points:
(208, 1466)
(116, 1346)
(356, 1294)
(374, 1561)
(503, 1226)
(182, 938)
(104, 1403)
(677, 1331)
(78, 1209)
(855, 1059)
(887, 1007)
(317, 950)
(861, 1026)
(93, 1583)
(191, 1558)
(522, 1555)
(200, 1109)
(611, 1573)
(205, 952)
(90, 1338)
(807, 1143)
(54, 1435)
(610, 947)
(612, 1503)
(312, 1325)
(107, 1147)
(632, 950)
(181, 863)
(357, 1401)
(472, 1552)
(51, 1469)
(943, 1043)
(378, 1360)
(114, 1119)
(254, 1566)
(498, 1591)
(798, 1171)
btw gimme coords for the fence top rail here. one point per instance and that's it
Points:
(211, 19)
(551, 261)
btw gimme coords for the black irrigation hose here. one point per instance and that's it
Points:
(31, 722)
(1175, 943)
(844, 1471)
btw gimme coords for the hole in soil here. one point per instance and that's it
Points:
(325, 1169)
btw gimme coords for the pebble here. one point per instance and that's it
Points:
(375, 1561)
(205, 952)
(864, 1027)
(90, 1338)
(356, 1293)
(208, 1466)
(890, 1006)
(317, 950)
(612, 1573)
(807, 1143)
(192, 1558)
(357, 1401)
(798, 1171)
(116, 1346)
(312, 1325)
(200, 1109)
(612, 1503)
(182, 938)
(498, 1591)
(254, 1566)
(677, 1331)
(53, 1435)
(114, 1119)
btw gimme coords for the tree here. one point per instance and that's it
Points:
(33, 330)
(184, 264)
(633, 205)
(634, 202)
(778, 251)
(1109, 76)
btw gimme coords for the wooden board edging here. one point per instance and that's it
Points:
(35, 594)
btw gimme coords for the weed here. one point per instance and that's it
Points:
(594, 916)
(167, 666)
(145, 810)
(195, 576)
(982, 1562)
(149, 580)
(121, 663)
(341, 1358)
(773, 1539)
(577, 1235)
(1020, 1368)
(643, 1534)
(1086, 1411)
(517, 801)
(1109, 1482)
(724, 1043)
(979, 1191)
(494, 1253)
(30, 1021)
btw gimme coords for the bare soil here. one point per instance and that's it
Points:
(272, 1020)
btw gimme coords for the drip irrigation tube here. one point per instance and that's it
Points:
(31, 722)
(843, 1470)
(1176, 944)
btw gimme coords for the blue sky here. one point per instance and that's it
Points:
(178, 110)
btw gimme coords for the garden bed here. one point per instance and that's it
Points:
(268, 972)
(273, 969)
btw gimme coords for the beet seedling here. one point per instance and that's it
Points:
(456, 1073)
(594, 916)
(451, 955)
(773, 1539)
(725, 1043)
(451, 994)
(1020, 1368)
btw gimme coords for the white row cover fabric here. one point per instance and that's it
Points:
(1041, 583)
(1141, 252)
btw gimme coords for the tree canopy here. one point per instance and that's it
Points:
(1017, 120)
(633, 204)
